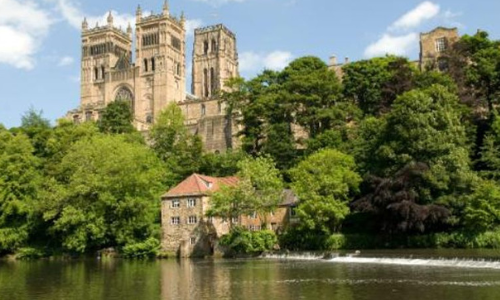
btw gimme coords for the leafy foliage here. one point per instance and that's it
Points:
(117, 117)
(242, 241)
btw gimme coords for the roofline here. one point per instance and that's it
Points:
(438, 28)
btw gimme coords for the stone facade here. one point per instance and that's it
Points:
(433, 45)
(158, 75)
(187, 231)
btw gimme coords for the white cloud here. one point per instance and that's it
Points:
(389, 44)
(423, 12)
(191, 25)
(66, 61)
(252, 61)
(23, 27)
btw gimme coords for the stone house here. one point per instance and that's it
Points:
(187, 231)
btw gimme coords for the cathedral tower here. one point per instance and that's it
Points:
(215, 60)
(160, 61)
(102, 48)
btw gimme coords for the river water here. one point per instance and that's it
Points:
(407, 275)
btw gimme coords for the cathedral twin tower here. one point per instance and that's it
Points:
(158, 76)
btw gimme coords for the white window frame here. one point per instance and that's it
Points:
(191, 202)
(175, 220)
(192, 220)
(177, 203)
(440, 44)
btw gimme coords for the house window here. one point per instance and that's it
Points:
(192, 220)
(441, 44)
(176, 203)
(293, 211)
(192, 240)
(175, 220)
(191, 202)
(254, 227)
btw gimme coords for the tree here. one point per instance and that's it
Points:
(490, 152)
(396, 203)
(482, 210)
(375, 83)
(221, 164)
(19, 187)
(117, 117)
(325, 183)
(38, 130)
(259, 190)
(172, 142)
(105, 195)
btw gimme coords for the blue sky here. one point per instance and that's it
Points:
(40, 39)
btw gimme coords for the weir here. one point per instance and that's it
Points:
(400, 261)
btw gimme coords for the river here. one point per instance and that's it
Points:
(407, 275)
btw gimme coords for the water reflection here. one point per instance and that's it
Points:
(241, 279)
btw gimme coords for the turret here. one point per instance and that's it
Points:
(183, 19)
(138, 14)
(110, 20)
(166, 11)
(129, 31)
(85, 25)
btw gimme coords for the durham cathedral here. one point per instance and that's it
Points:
(158, 75)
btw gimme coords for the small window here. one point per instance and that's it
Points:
(153, 65)
(192, 240)
(175, 220)
(88, 116)
(191, 202)
(441, 44)
(192, 220)
(203, 110)
(102, 72)
(176, 203)
(96, 73)
(214, 45)
(145, 65)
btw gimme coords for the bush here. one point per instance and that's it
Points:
(29, 253)
(242, 241)
(147, 249)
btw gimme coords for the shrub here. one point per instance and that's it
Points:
(147, 249)
(29, 253)
(242, 241)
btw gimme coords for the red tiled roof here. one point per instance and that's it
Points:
(198, 185)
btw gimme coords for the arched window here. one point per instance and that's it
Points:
(96, 73)
(153, 67)
(145, 65)
(203, 110)
(102, 72)
(205, 47)
(178, 69)
(214, 45)
(213, 84)
(205, 82)
(124, 94)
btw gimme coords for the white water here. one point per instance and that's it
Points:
(431, 262)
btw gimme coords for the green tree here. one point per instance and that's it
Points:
(175, 145)
(482, 210)
(221, 164)
(117, 117)
(259, 190)
(19, 187)
(490, 152)
(375, 83)
(325, 183)
(38, 130)
(105, 195)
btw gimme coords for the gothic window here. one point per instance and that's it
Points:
(153, 67)
(213, 85)
(102, 72)
(205, 81)
(124, 94)
(205, 47)
(178, 69)
(96, 73)
(203, 110)
(441, 44)
(176, 43)
(145, 65)
(214, 45)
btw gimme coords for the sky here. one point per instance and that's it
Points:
(40, 39)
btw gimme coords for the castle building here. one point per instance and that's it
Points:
(157, 77)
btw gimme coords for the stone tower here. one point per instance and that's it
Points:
(160, 61)
(215, 60)
(433, 46)
(102, 48)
